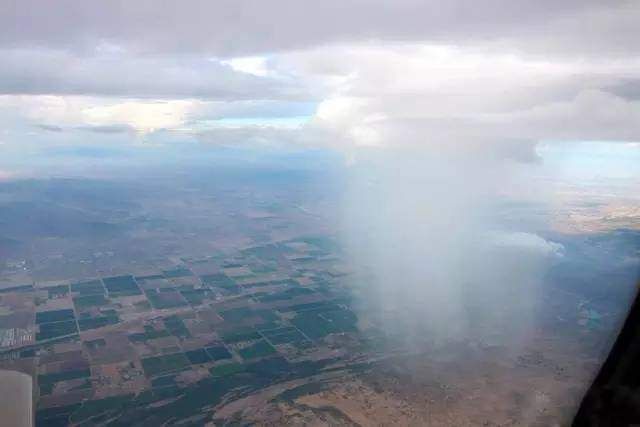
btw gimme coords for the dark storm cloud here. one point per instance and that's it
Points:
(236, 27)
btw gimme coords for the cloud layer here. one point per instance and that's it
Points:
(236, 28)
(504, 75)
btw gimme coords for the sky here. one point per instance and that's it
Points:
(492, 80)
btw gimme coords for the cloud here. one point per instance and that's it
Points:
(462, 99)
(490, 81)
(24, 114)
(50, 128)
(144, 116)
(256, 65)
(627, 88)
(57, 72)
(529, 242)
(250, 27)
(107, 129)
(416, 231)
(484, 103)
(105, 115)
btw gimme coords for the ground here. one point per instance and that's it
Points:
(237, 304)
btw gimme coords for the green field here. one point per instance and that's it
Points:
(86, 301)
(176, 327)
(140, 279)
(267, 252)
(244, 334)
(54, 316)
(218, 352)
(55, 415)
(92, 408)
(284, 336)
(236, 314)
(198, 356)
(177, 272)
(56, 329)
(46, 382)
(259, 349)
(166, 381)
(195, 296)
(318, 324)
(341, 320)
(91, 287)
(219, 280)
(121, 286)
(97, 322)
(227, 369)
(165, 299)
(167, 363)
(286, 294)
(315, 306)
(21, 288)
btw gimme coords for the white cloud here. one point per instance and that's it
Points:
(455, 98)
(490, 95)
(463, 98)
(528, 242)
(118, 73)
(76, 111)
(256, 65)
(142, 116)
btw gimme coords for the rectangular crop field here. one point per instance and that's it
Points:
(121, 286)
(56, 329)
(86, 301)
(167, 363)
(54, 316)
(259, 349)
(218, 352)
(90, 287)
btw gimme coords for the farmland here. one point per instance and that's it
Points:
(196, 312)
